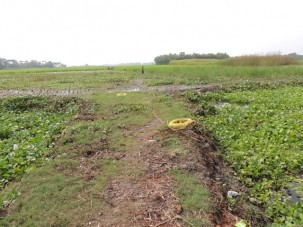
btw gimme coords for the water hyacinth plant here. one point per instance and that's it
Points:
(29, 128)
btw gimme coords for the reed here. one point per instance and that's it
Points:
(256, 60)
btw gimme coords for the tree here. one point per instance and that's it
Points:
(2, 65)
(13, 64)
(166, 58)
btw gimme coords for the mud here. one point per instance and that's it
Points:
(36, 92)
(138, 86)
(147, 199)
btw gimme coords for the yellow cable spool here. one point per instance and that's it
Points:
(121, 94)
(179, 123)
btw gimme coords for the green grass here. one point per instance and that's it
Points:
(94, 79)
(57, 193)
(135, 109)
(64, 80)
(205, 74)
(194, 197)
(172, 142)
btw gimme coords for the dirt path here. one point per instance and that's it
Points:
(148, 199)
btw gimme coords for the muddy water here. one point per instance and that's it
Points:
(136, 88)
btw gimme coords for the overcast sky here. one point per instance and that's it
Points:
(97, 32)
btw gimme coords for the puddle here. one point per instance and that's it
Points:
(293, 193)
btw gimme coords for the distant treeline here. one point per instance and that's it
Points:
(165, 59)
(14, 64)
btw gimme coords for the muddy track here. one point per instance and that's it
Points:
(37, 92)
(146, 199)
(73, 92)
(149, 199)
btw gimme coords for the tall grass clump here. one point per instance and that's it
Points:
(256, 60)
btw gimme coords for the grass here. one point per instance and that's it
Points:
(62, 80)
(58, 193)
(135, 109)
(43, 70)
(205, 74)
(193, 196)
(172, 142)
(94, 79)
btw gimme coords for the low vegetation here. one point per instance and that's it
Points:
(29, 128)
(194, 197)
(113, 143)
(24, 71)
(98, 148)
(255, 60)
(123, 77)
(260, 133)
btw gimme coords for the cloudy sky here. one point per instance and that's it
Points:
(97, 32)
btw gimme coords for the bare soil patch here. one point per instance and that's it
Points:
(41, 91)
(150, 200)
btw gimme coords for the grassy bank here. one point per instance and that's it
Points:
(125, 76)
